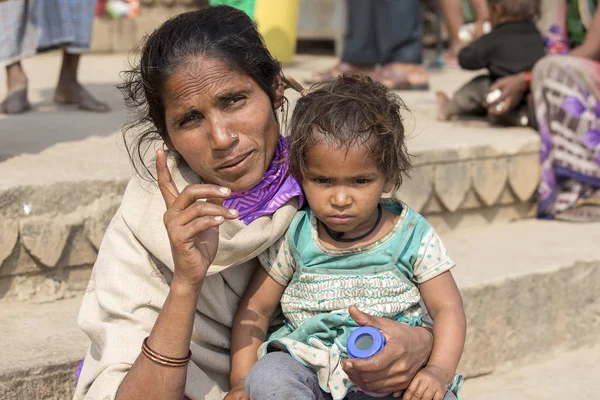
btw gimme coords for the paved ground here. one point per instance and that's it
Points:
(572, 375)
(49, 123)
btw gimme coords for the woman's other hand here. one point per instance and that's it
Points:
(392, 369)
(512, 89)
(192, 223)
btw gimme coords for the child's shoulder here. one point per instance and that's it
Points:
(411, 218)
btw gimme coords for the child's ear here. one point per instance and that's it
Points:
(388, 186)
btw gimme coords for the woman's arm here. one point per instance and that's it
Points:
(192, 226)
(251, 323)
(591, 45)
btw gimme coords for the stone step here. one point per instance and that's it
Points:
(530, 289)
(41, 347)
(566, 375)
(527, 288)
(55, 204)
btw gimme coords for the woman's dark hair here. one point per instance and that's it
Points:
(221, 32)
(351, 110)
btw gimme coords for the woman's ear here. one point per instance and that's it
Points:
(278, 89)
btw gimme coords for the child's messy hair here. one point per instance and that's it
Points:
(348, 111)
(517, 10)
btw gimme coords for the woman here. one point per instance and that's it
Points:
(566, 90)
(208, 89)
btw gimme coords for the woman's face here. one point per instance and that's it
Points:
(221, 122)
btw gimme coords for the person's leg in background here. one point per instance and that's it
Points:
(361, 52)
(15, 39)
(78, 23)
(452, 12)
(399, 36)
(468, 100)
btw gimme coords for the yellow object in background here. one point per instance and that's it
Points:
(277, 21)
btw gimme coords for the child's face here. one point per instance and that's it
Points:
(343, 188)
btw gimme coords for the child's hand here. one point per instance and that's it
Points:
(428, 384)
(237, 393)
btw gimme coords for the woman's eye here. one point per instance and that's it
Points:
(189, 118)
(235, 100)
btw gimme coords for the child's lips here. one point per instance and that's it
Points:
(340, 219)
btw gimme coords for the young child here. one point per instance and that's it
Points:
(349, 247)
(514, 45)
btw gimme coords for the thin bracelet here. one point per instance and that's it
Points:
(164, 360)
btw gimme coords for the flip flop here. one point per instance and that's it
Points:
(586, 210)
(395, 79)
(338, 70)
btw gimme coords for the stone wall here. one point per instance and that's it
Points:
(46, 252)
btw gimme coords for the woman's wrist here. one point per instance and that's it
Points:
(182, 288)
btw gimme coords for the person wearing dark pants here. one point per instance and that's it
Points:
(385, 34)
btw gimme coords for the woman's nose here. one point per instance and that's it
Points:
(220, 135)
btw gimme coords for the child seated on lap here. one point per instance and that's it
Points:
(514, 45)
(349, 247)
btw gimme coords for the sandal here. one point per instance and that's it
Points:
(586, 210)
(397, 76)
(340, 69)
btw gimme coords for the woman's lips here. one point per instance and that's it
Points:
(236, 165)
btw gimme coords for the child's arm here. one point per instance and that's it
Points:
(251, 323)
(444, 303)
(474, 56)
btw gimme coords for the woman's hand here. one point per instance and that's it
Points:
(192, 224)
(392, 369)
(512, 89)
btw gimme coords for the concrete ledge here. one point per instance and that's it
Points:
(41, 348)
(521, 305)
(528, 288)
(570, 375)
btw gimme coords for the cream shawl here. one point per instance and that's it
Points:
(130, 282)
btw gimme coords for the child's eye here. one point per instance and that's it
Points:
(362, 181)
(321, 181)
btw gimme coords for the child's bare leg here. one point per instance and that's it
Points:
(443, 113)
(16, 100)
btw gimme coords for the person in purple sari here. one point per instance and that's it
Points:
(566, 89)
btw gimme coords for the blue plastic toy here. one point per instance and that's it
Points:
(365, 342)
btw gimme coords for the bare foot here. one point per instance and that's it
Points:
(340, 69)
(16, 101)
(74, 93)
(442, 106)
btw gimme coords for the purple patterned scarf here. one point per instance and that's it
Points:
(275, 189)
